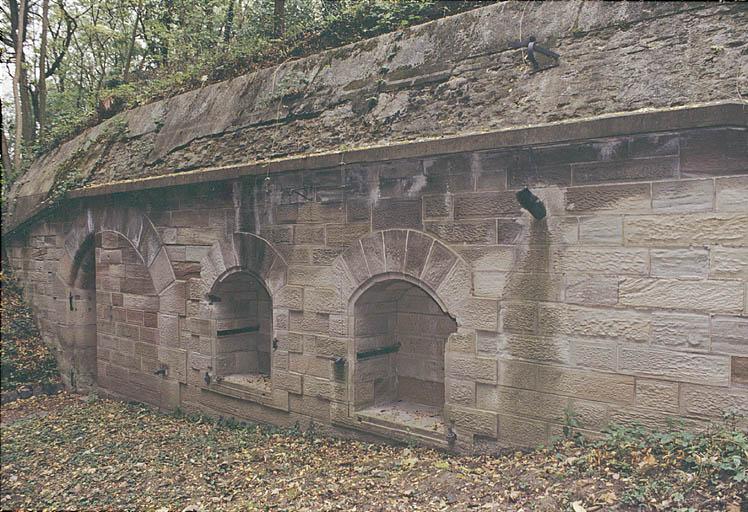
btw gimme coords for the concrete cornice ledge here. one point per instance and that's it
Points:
(707, 115)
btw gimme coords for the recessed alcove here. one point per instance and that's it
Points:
(400, 337)
(243, 314)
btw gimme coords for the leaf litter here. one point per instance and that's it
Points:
(72, 452)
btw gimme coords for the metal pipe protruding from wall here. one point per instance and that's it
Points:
(531, 203)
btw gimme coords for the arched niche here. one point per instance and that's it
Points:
(240, 279)
(400, 333)
(111, 276)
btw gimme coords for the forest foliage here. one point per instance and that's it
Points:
(82, 61)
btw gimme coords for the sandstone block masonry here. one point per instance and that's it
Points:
(402, 292)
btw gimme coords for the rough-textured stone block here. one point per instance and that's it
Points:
(317, 276)
(338, 235)
(289, 297)
(558, 319)
(550, 349)
(518, 374)
(657, 394)
(355, 261)
(474, 420)
(714, 151)
(175, 361)
(309, 321)
(739, 371)
(307, 364)
(418, 247)
(730, 335)
(530, 285)
(475, 232)
(322, 300)
(373, 247)
(683, 196)
(680, 366)
(309, 234)
(600, 230)
(716, 296)
(440, 262)
(600, 260)
(680, 330)
(173, 298)
(461, 342)
(311, 212)
(489, 284)
(519, 317)
(729, 262)
(325, 256)
(460, 392)
(628, 197)
(710, 401)
(439, 206)
(731, 194)
(288, 381)
(656, 168)
(479, 369)
(489, 258)
(585, 384)
(595, 355)
(396, 213)
(394, 250)
(593, 290)
(515, 431)
(681, 263)
(485, 204)
(359, 210)
(478, 314)
(687, 229)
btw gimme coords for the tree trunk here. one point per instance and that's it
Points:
(17, 86)
(279, 18)
(228, 26)
(42, 84)
(6, 159)
(131, 47)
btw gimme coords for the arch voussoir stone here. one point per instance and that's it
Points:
(245, 253)
(412, 254)
(135, 227)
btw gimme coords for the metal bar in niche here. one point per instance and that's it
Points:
(365, 354)
(240, 330)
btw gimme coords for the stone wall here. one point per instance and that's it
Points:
(629, 302)
(456, 75)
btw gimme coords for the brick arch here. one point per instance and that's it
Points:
(131, 224)
(245, 253)
(409, 255)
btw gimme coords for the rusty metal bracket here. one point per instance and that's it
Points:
(365, 354)
(530, 46)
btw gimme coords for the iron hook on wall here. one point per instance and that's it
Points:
(530, 46)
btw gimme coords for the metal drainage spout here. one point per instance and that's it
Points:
(531, 203)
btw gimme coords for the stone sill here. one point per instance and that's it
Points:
(248, 393)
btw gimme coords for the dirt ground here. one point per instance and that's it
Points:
(74, 452)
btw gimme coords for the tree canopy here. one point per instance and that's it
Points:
(73, 63)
